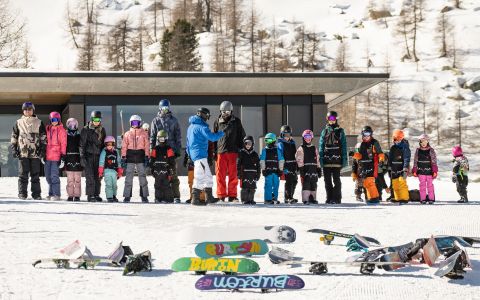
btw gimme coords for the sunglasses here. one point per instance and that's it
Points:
(97, 119)
(332, 118)
(54, 120)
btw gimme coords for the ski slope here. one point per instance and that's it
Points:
(34, 229)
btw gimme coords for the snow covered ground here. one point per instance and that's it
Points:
(34, 229)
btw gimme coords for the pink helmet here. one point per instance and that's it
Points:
(307, 135)
(424, 137)
(109, 139)
(55, 115)
(72, 123)
(457, 151)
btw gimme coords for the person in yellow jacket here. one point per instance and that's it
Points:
(369, 156)
(399, 161)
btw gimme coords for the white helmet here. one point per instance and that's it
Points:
(136, 121)
(146, 126)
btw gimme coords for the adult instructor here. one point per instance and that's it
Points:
(333, 156)
(226, 150)
(166, 121)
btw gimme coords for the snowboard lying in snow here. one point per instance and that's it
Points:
(226, 265)
(328, 236)
(270, 234)
(219, 249)
(262, 282)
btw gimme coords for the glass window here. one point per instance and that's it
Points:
(253, 121)
(299, 117)
(106, 116)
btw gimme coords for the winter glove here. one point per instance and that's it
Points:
(123, 162)
(15, 151)
(434, 175)
(62, 162)
(319, 172)
(100, 172)
(145, 161)
(454, 178)
(264, 173)
(177, 153)
(119, 173)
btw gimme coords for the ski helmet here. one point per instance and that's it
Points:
(226, 106)
(270, 138)
(285, 129)
(96, 114)
(203, 113)
(457, 151)
(307, 135)
(72, 124)
(424, 137)
(248, 138)
(164, 104)
(367, 131)
(28, 105)
(109, 139)
(135, 121)
(55, 117)
(398, 135)
(332, 116)
(162, 136)
(146, 126)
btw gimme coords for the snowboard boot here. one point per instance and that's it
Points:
(40, 198)
(70, 199)
(126, 200)
(311, 200)
(110, 200)
(98, 198)
(269, 202)
(115, 199)
(144, 200)
(463, 199)
(91, 198)
(22, 197)
(209, 199)
(196, 198)
(232, 199)
(76, 199)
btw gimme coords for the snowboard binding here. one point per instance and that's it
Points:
(138, 263)
(318, 268)
(327, 239)
(367, 268)
(458, 270)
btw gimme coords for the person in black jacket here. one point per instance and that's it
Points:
(226, 150)
(248, 169)
(91, 144)
(72, 163)
(287, 145)
(162, 162)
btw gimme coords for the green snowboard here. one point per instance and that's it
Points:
(227, 265)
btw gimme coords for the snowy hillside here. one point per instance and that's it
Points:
(35, 229)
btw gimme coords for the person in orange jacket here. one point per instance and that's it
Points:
(369, 156)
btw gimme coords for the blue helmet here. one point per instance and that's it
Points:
(164, 103)
(270, 138)
(28, 105)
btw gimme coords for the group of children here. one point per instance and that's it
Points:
(370, 165)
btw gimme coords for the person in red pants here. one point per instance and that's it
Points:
(226, 150)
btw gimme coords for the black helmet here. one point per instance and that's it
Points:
(96, 114)
(332, 114)
(285, 129)
(203, 113)
(367, 129)
(249, 138)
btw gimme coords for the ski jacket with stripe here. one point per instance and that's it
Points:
(425, 161)
(162, 160)
(248, 168)
(333, 147)
(399, 158)
(72, 159)
(368, 156)
(308, 160)
(288, 148)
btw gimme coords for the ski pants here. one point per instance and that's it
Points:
(400, 189)
(74, 183)
(247, 195)
(190, 185)
(291, 180)
(202, 176)
(333, 184)
(309, 188)
(26, 167)
(371, 188)
(426, 184)
(93, 182)
(142, 179)
(110, 177)
(359, 187)
(52, 174)
(163, 189)
(381, 184)
(462, 183)
(272, 182)
(227, 165)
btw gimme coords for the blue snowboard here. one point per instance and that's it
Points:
(263, 282)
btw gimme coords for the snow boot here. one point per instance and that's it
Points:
(76, 199)
(232, 199)
(196, 198)
(209, 196)
(98, 198)
(70, 199)
(126, 200)
(144, 199)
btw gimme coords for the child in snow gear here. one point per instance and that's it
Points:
(399, 161)
(271, 164)
(356, 171)
(56, 151)
(166, 121)
(308, 162)
(226, 150)
(333, 157)
(369, 156)
(425, 168)
(162, 162)
(198, 135)
(286, 144)
(91, 144)
(380, 179)
(110, 168)
(460, 173)
(248, 169)
(135, 155)
(28, 144)
(73, 166)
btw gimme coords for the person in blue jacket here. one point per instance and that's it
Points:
(198, 135)
(271, 164)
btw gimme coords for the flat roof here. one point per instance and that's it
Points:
(58, 87)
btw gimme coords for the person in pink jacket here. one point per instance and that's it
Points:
(56, 151)
(135, 155)
(425, 168)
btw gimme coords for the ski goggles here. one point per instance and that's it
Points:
(248, 143)
(52, 120)
(269, 141)
(286, 134)
(332, 118)
(135, 123)
(308, 137)
(226, 112)
(95, 119)
(110, 144)
(162, 139)
(366, 133)
(164, 109)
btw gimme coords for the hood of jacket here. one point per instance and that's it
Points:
(197, 120)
